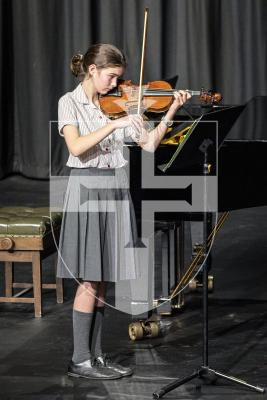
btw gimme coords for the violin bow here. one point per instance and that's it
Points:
(140, 94)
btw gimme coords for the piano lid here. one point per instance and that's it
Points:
(252, 123)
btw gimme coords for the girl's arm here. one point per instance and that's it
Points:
(149, 141)
(77, 144)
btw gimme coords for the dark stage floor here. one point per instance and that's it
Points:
(34, 353)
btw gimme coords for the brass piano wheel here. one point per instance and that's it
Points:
(143, 329)
(135, 331)
(154, 329)
(194, 284)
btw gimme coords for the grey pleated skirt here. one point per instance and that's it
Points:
(98, 231)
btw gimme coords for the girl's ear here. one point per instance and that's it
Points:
(92, 69)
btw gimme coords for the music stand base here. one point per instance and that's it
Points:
(204, 372)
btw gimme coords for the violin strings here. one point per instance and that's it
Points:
(159, 92)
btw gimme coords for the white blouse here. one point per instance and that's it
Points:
(75, 109)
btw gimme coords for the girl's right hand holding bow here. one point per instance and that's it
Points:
(135, 121)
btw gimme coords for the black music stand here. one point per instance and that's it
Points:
(202, 128)
(188, 153)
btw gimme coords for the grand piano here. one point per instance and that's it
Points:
(242, 180)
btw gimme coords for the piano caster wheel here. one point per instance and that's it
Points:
(154, 329)
(194, 284)
(135, 331)
(143, 329)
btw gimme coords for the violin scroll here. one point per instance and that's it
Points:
(209, 96)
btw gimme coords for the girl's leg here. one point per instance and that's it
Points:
(96, 340)
(85, 297)
(83, 311)
(96, 347)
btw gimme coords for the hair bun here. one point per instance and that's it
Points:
(76, 64)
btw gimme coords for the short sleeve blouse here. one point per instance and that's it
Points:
(75, 109)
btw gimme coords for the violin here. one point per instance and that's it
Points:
(157, 97)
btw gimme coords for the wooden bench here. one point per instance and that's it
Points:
(27, 235)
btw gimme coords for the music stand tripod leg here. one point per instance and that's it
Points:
(173, 385)
(204, 371)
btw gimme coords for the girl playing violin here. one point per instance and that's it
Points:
(87, 240)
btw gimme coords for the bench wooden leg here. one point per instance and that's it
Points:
(9, 278)
(59, 284)
(59, 289)
(37, 283)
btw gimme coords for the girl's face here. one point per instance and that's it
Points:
(105, 79)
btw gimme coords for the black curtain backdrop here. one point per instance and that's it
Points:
(218, 44)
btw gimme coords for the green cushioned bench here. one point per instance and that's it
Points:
(26, 236)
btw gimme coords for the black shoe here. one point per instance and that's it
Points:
(105, 361)
(89, 370)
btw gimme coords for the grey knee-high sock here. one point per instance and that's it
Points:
(82, 323)
(96, 342)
